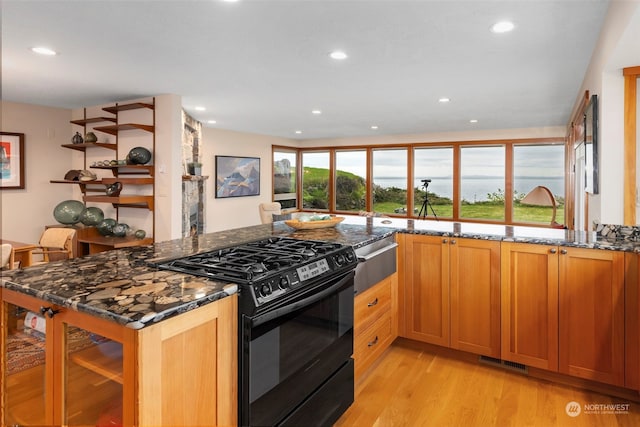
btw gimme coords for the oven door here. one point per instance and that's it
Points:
(289, 353)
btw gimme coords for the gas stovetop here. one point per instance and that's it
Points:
(270, 268)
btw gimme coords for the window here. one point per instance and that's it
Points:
(482, 182)
(436, 165)
(535, 165)
(284, 178)
(351, 184)
(390, 181)
(315, 180)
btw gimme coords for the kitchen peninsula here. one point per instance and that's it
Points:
(162, 323)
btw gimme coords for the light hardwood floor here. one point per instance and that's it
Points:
(416, 384)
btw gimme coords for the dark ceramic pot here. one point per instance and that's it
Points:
(77, 138)
(114, 189)
(139, 156)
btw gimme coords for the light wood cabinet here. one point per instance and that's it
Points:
(451, 292)
(591, 314)
(563, 309)
(530, 304)
(70, 368)
(375, 322)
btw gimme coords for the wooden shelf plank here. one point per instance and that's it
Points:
(94, 359)
(132, 181)
(128, 169)
(83, 122)
(114, 129)
(195, 177)
(82, 147)
(132, 201)
(133, 106)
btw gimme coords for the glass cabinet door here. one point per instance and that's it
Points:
(92, 378)
(25, 376)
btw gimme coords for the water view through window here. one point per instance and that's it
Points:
(481, 186)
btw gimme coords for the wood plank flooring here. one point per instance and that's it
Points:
(416, 384)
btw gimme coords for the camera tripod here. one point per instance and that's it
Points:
(426, 204)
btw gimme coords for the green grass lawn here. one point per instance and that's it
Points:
(521, 213)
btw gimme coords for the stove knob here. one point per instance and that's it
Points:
(265, 290)
(350, 257)
(284, 283)
(340, 260)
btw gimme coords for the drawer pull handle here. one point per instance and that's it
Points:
(563, 251)
(374, 302)
(48, 311)
(553, 251)
(374, 342)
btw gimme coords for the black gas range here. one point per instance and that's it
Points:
(269, 269)
(295, 313)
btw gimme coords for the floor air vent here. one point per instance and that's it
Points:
(512, 366)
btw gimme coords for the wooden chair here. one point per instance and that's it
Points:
(55, 244)
(7, 258)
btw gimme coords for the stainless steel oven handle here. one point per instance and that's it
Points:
(378, 252)
(290, 308)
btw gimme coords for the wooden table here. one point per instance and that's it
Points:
(22, 251)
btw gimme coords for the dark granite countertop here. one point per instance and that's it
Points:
(123, 286)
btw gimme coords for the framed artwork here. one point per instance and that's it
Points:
(237, 176)
(11, 160)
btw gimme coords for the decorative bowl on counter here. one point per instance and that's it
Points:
(314, 224)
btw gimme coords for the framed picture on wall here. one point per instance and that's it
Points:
(237, 176)
(11, 160)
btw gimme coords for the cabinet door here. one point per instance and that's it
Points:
(94, 372)
(591, 314)
(426, 291)
(26, 370)
(530, 304)
(475, 296)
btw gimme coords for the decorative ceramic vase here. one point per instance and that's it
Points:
(139, 156)
(91, 137)
(140, 234)
(120, 230)
(68, 212)
(105, 227)
(114, 189)
(77, 139)
(92, 216)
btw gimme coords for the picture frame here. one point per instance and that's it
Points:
(237, 176)
(11, 160)
(591, 145)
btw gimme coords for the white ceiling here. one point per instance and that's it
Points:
(261, 66)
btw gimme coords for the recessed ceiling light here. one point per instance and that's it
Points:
(502, 27)
(229, 1)
(44, 51)
(338, 54)
(444, 100)
(298, 132)
(200, 109)
(473, 121)
(374, 127)
(213, 122)
(316, 112)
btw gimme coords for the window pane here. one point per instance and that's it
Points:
(351, 184)
(315, 180)
(435, 164)
(390, 181)
(284, 178)
(482, 172)
(535, 165)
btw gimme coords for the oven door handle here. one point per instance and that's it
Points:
(296, 305)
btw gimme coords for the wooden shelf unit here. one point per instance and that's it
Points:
(83, 147)
(114, 129)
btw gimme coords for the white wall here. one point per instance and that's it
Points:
(234, 212)
(603, 77)
(549, 132)
(25, 212)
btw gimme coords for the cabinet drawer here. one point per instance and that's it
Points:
(370, 344)
(371, 304)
